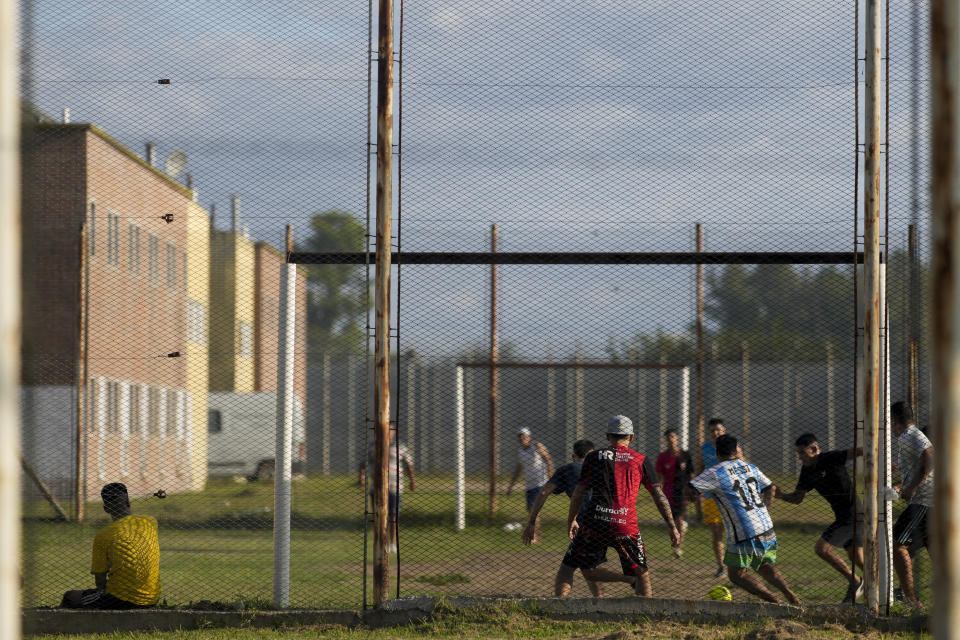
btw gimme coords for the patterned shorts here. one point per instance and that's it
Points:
(589, 549)
(753, 553)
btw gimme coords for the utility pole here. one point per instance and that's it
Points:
(384, 238)
(871, 302)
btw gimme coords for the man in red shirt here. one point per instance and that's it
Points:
(614, 474)
(675, 468)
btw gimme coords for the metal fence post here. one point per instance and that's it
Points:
(284, 444)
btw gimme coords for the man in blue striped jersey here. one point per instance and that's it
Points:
(743, 494)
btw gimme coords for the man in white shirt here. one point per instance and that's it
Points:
(916, 467)
(533, 461)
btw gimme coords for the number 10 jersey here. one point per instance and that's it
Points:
(736, 486)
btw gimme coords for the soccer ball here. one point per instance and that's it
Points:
(720, 592)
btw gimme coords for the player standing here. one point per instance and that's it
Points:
(827, 473)
(711, 514)
(743, 494)
(564, 480)
(614, 475)
(533, 460)
(916, 466)
(675, 468)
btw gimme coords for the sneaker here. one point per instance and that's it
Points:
(853, 593)
(898, 594)
(677, 552)
(719, 572)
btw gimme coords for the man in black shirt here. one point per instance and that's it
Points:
(564, 480)
(827, 473)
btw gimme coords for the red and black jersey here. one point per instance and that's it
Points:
(615, 474)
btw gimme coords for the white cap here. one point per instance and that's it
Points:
(620, 426)
(524, 432)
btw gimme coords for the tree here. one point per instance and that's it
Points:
(336, 300)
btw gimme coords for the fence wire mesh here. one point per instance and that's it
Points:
(167, 145)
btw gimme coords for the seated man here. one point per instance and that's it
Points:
(126, 559)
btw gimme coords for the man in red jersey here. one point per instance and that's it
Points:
(614, 474)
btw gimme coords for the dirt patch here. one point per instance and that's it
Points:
(532, 575)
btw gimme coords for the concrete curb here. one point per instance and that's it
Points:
(406, 610)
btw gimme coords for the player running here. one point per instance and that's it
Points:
(564, 480)
(743, 494)
(916, 465)
(614, 475)
(675, 468)
(711, 514)
(533, 460)
(827, 473)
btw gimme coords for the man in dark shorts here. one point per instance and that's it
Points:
(675, 469)
(827, 473)
(916, 466)
(614, 475)
(126, 559)
(564, 480)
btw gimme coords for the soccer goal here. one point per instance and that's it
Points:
(682, 426)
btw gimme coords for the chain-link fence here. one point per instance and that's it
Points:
(167, 146)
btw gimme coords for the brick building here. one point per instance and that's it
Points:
(115, 333)
(244, 334)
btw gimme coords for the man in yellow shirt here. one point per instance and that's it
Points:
(126, 559)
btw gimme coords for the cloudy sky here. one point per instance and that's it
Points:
(600, 125)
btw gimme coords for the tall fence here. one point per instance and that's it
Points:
(166, 149)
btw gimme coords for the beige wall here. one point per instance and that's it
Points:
(198, 337)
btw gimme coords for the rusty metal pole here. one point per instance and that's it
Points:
(699, 339)
(871, 300)
(494, 374)
(81, 404)
(945, 347)
(745, 383)
(384, 236)
(913, 316)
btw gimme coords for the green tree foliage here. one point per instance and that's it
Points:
(336, 303)
(785, 312)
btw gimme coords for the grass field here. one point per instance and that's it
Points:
(506, 622)
(217, 546)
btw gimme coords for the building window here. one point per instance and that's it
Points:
(153, 411)
(113, 239)
(196, 322)
(135, 423)
(246, 340)
(92, 405)
(214, 421)
(92, 230)
(153, 258)
(133, 249)
(172, 413)
(113, 407)
(171, 266)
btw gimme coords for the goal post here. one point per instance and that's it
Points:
(460, 481)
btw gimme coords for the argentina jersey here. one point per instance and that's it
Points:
(737, 487)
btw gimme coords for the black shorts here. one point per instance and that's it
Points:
(843, 533)
(910, 529)
(589, 549)
(97, 599)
